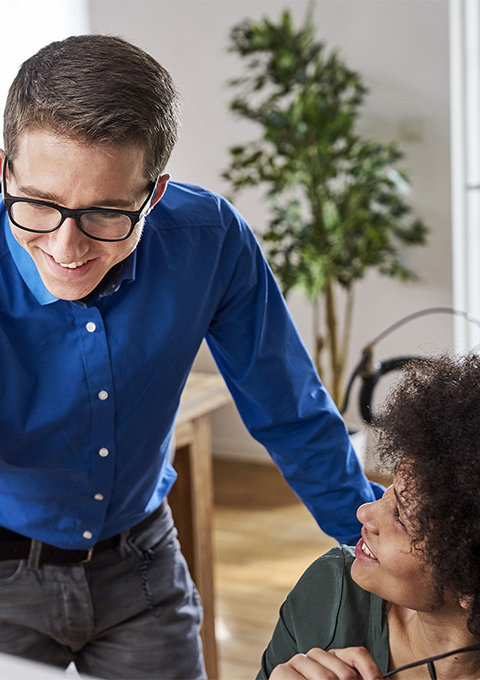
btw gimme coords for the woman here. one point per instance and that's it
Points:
(411, 587)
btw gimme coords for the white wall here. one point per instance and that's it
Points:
(401, 49)
(27, 26)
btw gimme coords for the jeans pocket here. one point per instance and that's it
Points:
(11, 570)
(157, 535)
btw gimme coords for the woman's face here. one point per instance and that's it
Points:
(386, 563)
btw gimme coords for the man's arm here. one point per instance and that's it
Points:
(277, 390)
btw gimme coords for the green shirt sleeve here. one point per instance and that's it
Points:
(327, 609)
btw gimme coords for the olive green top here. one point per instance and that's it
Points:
(327, 609)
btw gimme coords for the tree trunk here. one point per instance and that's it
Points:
(336, 364)
(330, 340)
(318, 339)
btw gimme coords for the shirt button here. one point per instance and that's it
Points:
(87, 534)
(98, 497)
(103, 452)
(90, 327)
(103, 394)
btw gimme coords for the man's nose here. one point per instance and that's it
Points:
(68, 243)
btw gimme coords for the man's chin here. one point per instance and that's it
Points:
(69, 291)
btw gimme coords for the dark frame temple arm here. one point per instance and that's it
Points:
(430, 660)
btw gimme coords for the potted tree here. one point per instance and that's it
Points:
(336, 201)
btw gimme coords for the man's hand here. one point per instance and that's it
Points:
(352, 663)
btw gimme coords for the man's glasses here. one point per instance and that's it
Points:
(101, 224)
(430, 660)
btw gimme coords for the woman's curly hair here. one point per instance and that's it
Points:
(430, 429)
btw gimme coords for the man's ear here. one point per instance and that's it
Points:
(2, 160)
(160, 190)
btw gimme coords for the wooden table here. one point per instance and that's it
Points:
(191, 497)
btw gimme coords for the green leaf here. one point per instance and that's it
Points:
(337, 201)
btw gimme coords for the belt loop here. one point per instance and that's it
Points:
(34, 554)
(123, 547)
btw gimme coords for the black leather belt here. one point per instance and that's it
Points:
(14, 546)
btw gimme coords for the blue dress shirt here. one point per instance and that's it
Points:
(89, 391)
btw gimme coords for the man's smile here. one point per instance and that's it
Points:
(71, 265)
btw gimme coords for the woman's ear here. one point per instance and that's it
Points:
(465, 602)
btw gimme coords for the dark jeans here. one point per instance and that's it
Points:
(132, 612)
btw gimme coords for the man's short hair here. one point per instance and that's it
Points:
(96, 89)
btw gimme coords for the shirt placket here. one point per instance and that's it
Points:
(102, 403)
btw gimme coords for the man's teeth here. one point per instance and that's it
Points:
(72, 265)
(367, 551)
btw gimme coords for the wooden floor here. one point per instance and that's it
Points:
(264, 539)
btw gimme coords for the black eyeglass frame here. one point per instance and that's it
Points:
(134, 215)
(429, 661)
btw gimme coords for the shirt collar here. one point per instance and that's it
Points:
(29, 272)
(27, 268)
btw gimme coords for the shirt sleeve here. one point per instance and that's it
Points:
(277, 390)
(309, 615)
(327, 609)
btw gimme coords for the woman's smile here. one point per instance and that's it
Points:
(362, 552)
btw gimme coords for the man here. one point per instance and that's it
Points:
(109, 281)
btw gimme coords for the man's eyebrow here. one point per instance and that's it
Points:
(36, 193)
(33, 192)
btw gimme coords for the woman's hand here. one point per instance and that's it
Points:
(352, 663)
